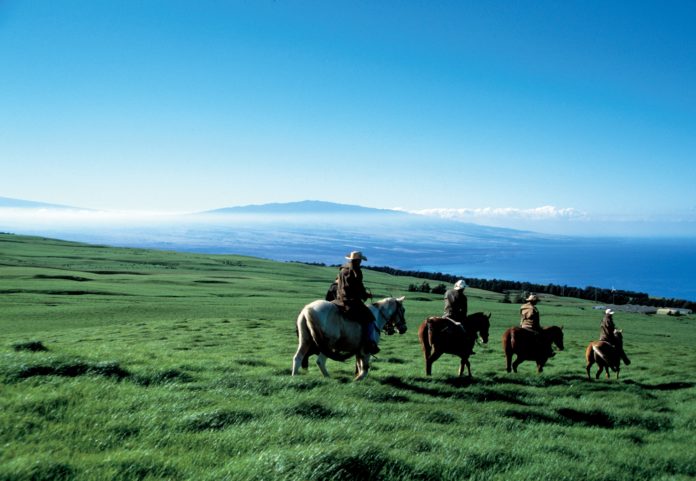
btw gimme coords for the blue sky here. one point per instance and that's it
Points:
(579, 113)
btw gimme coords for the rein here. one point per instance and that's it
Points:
(389, 324)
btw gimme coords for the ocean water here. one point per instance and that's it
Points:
(660, 267)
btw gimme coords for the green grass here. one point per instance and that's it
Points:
(141, 365)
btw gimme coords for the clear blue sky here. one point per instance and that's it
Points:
(185, 106)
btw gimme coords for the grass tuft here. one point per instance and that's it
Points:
(30, 346)
(312, 410)
(165, 376)
(215, 420)
(37, 470)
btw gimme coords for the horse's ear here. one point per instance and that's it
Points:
(620, 330)
(401, 299)
(561, 327)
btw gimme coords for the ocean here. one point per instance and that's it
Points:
(659, 267)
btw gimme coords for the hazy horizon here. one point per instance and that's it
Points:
(544, 220)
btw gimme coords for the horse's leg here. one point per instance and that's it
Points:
(518, 361)
(464, 363)
(321, 362)
(299, 359)
(364, 366)
(587, 368)
(429, 362)
(540, 367)
(599, 371)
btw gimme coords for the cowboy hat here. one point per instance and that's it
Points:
(460, 284)
(356, 255)
(532, 297)
(609, 311)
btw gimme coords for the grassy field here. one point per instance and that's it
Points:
(163, 365)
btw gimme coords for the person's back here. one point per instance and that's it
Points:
(332, 292)
(607, 327)
(530, 320)
(350, 289)
(529, 314)
(350, 294)
(456, 303)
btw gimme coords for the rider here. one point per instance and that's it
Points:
(606, 333)
(606, 328)
(529, 319)
(351, 294)
(456, 304)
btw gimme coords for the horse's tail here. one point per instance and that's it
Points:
(507, 342)
(508, 348)
(320, 340)
(425, 336)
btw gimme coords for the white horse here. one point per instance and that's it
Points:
(323, 330)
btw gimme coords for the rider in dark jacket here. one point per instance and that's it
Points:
(350, 297)
(456, 302)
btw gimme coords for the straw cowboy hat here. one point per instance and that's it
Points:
(532, 297)
(460, 284)
(356, 255)
(609, 311)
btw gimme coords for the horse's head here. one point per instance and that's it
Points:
(618, 338)
(480, 323)
(394, 312)
(556, 336)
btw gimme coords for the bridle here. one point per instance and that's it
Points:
(395, 320)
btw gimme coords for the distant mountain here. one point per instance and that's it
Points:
(30, 204)
(312, 207)
(316, 231)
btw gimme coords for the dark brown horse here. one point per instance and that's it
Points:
(440, 335)
(524, 343)
(606, 356)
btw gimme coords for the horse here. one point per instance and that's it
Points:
(606, 355)
(441, 335)
(323, 330)
(523, 343)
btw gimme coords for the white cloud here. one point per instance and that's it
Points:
(547, 212)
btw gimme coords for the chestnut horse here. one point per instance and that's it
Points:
(523, 342)
(323, 330)
(606, 356)
(441, 335)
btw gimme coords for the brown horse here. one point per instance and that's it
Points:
(440, 335)
(606, 356)
(523, 342)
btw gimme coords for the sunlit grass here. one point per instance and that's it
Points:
(176, 366)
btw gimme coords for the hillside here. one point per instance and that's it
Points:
(165, 365)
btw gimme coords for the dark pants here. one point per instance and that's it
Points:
(356, 311)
